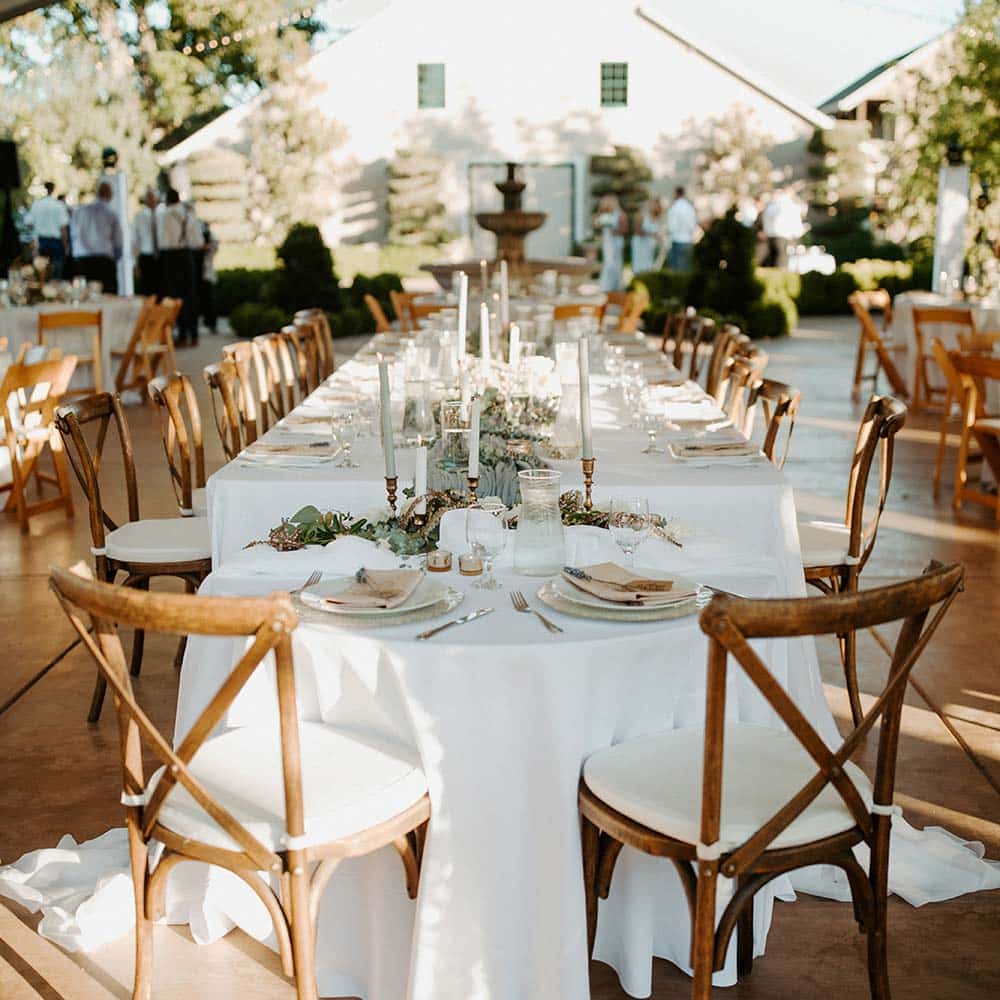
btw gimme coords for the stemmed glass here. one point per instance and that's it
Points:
(614, 361)
(485, 531)
(652, 421)
(628, 519)
(345, 433)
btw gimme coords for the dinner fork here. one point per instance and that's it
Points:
(314, 577)
(520, 604)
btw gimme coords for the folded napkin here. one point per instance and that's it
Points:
(379, 588)
(265, 449)
(717, 449)
(617, 585)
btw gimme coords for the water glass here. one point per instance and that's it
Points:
(345, 425)
(629, 522)
(486, 533)
(652, 421)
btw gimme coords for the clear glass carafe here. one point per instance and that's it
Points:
(539, 545)
(418, 417)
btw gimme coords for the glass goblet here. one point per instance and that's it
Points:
(485, 532)
(345, 433)
(628, 519)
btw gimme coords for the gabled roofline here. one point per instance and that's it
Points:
(801, 109)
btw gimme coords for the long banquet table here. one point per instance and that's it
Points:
(502, 715)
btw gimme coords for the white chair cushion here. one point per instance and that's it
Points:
(824, 543)
(989, 424)
(350, 784)
(199, 502)
(166, 539)
(657, 781)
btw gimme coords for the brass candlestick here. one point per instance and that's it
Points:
(473, 483)
(390, 491)
(588, 482)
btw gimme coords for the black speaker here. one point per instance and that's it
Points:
(10, 172)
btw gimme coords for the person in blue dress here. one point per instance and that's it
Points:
(612, 223)
(647, 236)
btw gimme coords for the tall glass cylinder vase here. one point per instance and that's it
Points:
(539, 544)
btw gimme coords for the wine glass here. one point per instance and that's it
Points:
(628, 519)
(652, 422)
(345, 433)
(486, 534)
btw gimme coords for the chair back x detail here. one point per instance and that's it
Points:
(180, 431)
(234, 407)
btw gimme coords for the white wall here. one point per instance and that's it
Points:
(522, 83)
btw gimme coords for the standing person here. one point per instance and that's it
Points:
(49, 221)
(681, 225)
(647, 235)
(144, 240)
(206, 293)
(782, 223)
(173, 233)
(97, 240)
(612, 223)
(68, 260)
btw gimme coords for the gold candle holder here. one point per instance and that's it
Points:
(588, 482)
(473, 484)
(390, 491)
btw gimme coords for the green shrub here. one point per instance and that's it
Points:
(778, 283)
(249, 319)
(771, 319)
(723, 277)
(239, 285)
(662, 285)
(826, 294)
(306, 278)
(871, 273)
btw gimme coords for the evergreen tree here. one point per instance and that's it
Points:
(416, 213)
(625, 174)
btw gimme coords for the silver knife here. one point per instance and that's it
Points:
(458, 621)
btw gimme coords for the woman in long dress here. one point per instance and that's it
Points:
(647, 235)
(612, 224)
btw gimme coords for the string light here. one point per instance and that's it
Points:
(214, 44)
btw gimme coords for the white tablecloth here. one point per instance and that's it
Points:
(986, 316)
(19, 324)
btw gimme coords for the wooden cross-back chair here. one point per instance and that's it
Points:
(628, 309)
(259, 800)
(29, 395)
(316, 320)
(304, 350)
(382, 324)
(281, 372)
(255, 379)
(728, 342)
(53, 326)
(150, 346)
(699, 338)
(975, 370)
(835, 553)
(870, 338)
(401, 303)
(742, 377)
(180, 430)
(233, 407)
(141, 548)
(746, 802)
(674, 334)
(779, 406)
(925, 393)
(573, 310)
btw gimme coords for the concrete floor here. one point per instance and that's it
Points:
(59, 775)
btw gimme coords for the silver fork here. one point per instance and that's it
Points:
(314, 577)
(520, 604)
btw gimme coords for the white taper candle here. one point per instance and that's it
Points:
(514, 347)
(385, 401)
(504, 296)
(474, 440)
(484, 336)
(586, 427)
(463, 312)
(420, 480)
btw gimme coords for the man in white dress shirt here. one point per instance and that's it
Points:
(681, 225)
(145, 240)
(179, 236)
(782, 224)
(49, 221)
(97, 240)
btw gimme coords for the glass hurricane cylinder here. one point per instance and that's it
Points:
(539, 544)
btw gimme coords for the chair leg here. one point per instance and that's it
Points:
(97, 699)
(138, 636)
(744, 940)
(939, 461)
(859, 367)
(303, 934)
(878, 968)
(703, 932)
(142, 984)
(850, 658)
(590, 838)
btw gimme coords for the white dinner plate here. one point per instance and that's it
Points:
(427, 592)
(566, 590)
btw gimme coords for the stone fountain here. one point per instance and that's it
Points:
(511, 226)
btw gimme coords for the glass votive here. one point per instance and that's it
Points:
(470, 565)
(439, 561)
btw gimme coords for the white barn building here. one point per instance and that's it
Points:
(547, 84)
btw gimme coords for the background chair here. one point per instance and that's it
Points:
(984, 341)
(747, 802)
(835, 553)
(302, 346)
(29, 395)
(150, 346)
(382, 324)
(141, 548)
(315, 319)
(233, 407)
(925, 392)
(869, 338)
(255, 379)
(281, 372)
(978, 426)
(55, 327)
(779, 405)
(180, 430)
(289, 800)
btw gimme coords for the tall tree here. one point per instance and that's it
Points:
(734, 165)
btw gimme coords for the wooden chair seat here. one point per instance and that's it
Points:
(160, 540)
(657, 781)
(348, 786)
(825, 543)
